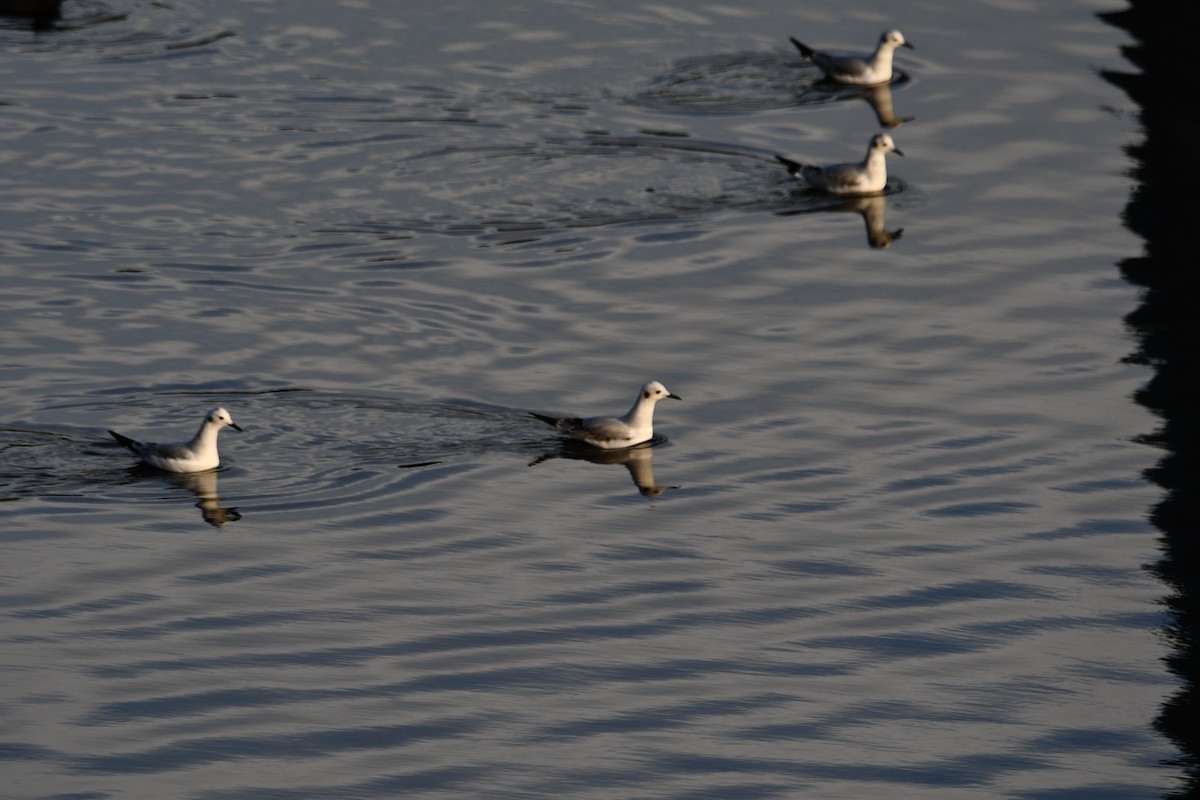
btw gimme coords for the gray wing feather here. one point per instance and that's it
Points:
(836, 176)
(171, 451)
(605, 429)
(842, 65)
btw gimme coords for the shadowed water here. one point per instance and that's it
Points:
(890, 545)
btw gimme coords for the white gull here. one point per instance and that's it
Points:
(197, 455)
(610, 433)
(865, 177)
(857, 70)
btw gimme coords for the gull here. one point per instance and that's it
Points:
(198, 455)
(857, 70)
(866, 177)
(611, 433)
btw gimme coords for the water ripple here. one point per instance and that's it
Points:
(115, 29)
(740, 83)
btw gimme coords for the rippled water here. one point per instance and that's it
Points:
(890, 545)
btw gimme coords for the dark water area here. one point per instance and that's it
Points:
(903, 537)
(1161, 215)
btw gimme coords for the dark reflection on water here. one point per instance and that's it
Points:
(638, 460)
(872, 209)
(39, 15)
(120, 29)
(1163, 212)
(204, 486)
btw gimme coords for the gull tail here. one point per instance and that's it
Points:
(561, 423)
(124, 441)
(804, 49)
(793, 167)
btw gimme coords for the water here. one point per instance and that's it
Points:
(892, 544)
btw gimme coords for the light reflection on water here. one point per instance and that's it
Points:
(890, 546)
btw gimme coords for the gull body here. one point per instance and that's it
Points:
(865, 177)
(197, 455)
(611, 433)
(857, 70)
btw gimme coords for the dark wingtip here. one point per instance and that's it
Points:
(792, 166)
(124, 441)
(804, 49)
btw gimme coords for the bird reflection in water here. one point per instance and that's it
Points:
(639, 460)
(879, 98)
(40, 15)
(204, 486)
(872, 208)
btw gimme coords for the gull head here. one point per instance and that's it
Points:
(220, 417)
(894, 38)
(881, 141)
(655, 391)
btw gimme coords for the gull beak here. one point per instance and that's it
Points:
(908, 45)
(674, 397)
(235, 427)
(898, 151)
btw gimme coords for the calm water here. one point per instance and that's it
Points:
(892, 546)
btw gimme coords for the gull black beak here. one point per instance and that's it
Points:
(898, 151)
(674, 397)
(234, 425)
(908, 45)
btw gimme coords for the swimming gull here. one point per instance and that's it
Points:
(857, 70)
(198, 455)
(865, 177)
(610, 433)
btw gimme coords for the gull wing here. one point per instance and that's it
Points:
(604, 429)
(849, 66)
(837, 177)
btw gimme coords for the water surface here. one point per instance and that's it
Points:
(891, 544)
